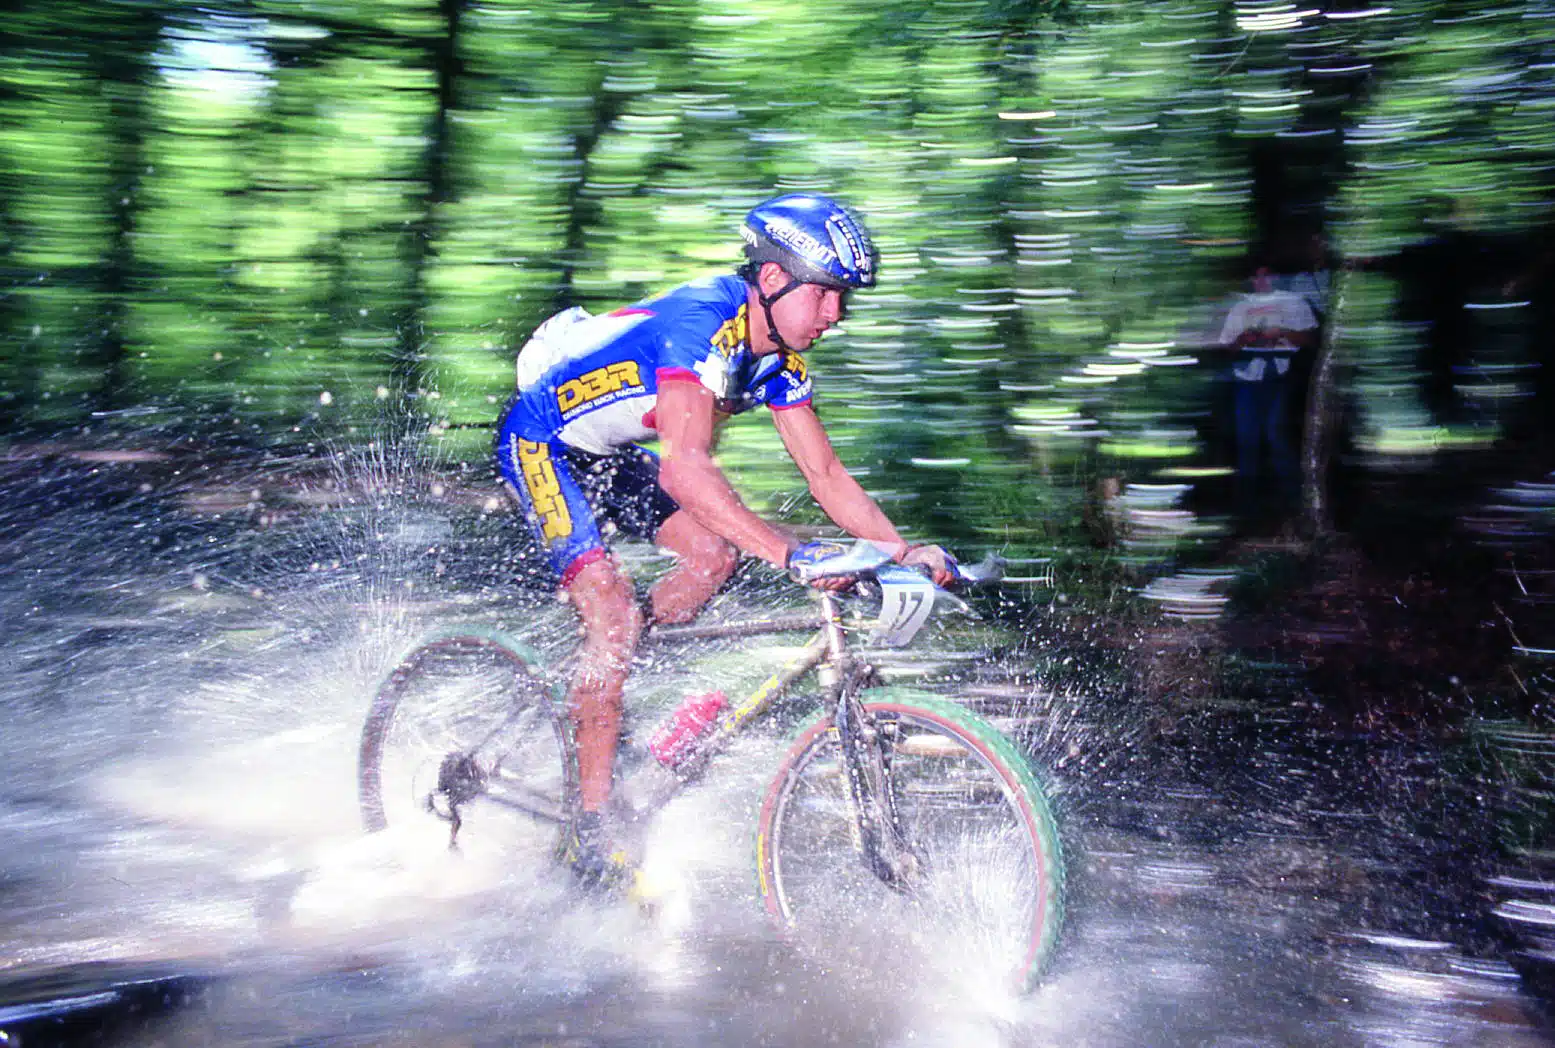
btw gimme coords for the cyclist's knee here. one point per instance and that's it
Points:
(699, 550)
(607, 603)
(716, 558)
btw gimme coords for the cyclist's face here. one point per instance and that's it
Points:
(805, 313)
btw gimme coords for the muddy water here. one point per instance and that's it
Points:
(179, 700)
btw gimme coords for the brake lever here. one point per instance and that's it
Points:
(989, 569)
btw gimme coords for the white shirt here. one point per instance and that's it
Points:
(1261, 310)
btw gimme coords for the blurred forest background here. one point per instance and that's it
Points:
(284, 223)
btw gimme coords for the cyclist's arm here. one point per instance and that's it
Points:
(687, 472)
(843, 498)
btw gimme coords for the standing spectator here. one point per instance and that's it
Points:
(1265, 329)
(1311, 278)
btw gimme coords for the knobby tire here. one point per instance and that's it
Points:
(466, 690)
(967, 801)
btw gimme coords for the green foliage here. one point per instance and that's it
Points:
(304, 217)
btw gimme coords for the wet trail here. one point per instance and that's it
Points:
(179, 700)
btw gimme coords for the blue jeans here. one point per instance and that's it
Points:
(1260, 424)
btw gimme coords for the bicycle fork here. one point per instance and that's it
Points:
(866, 763)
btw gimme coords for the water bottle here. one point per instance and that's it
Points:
(687, 724)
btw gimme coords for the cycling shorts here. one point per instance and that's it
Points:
(567, 494)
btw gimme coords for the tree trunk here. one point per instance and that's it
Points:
(126, 70)
(437, 173)
(1317, 430)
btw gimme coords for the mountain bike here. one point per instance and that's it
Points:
(891, 808)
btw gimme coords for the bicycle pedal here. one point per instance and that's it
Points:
(645, 895)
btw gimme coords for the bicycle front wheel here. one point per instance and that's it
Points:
(987, 900)
(463, 746)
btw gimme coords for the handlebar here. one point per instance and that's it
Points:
(864, 559)
(898, 622)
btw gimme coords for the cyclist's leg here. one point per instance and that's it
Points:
(607, 604)
(626, 488)
(543, 479)
(703, 562)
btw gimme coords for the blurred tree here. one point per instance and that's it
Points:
(297, 220)
(72, 95)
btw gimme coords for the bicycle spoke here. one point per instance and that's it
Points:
(982, 894)
(462, 748)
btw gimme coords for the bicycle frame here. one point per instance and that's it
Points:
(826, 654)
(841, 677)
(906, 604)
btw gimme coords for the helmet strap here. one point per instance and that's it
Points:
(753, 277)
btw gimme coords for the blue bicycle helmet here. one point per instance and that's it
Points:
(815, 239)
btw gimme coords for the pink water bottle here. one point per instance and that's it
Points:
(677, 735)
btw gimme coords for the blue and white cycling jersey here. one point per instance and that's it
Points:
(592, 382)
(587, 390)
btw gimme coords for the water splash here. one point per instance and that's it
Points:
(179, 741)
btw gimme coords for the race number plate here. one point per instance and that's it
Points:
(908, 600)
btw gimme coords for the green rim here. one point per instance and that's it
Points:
(1004, 759)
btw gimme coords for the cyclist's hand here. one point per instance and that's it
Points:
(803, 562)
(941, 565)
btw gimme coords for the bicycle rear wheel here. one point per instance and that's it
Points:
(463, 745)
(988, 899)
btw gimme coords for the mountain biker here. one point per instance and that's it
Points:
(676, 367)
